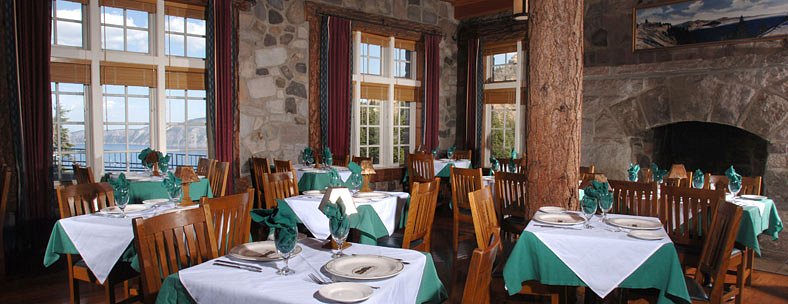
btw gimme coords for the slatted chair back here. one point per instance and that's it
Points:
(589, 169)
(260, 167)
(463, 154)
(6, 176)
(218, 179)
(231, 219)
(477, 284)
(421, 213)
(510, 195)
(359, 159)
(283, 166)
(679, 181)
(464, 181)
(83, 199)
(751, 185)
(83, 175)
(634, 198)
(421, 168)
(485, 221)
(279, 185)
(170, 242)
(204, 166)
(719, 181)
(519, 166)
(716, 251)
(687, 213)
(646, 176)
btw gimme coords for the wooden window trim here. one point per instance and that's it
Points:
(138, 5)
(69, 71)
(500, 96)
(376, 91)
(184, 10)
(116, 73)
(184, 78)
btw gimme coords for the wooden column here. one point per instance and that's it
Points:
(555, 88)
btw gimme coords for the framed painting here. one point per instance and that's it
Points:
(693, 22)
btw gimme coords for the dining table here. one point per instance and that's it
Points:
(602, 258)
(418, 282)
(442, 166)
(311, 178)
(143, 187)
(759, 216)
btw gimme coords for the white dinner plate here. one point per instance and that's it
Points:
(561, 219)
(259, 251)
(634, 223)
(364, 267)
(371, 194)
(650, 235)
(130, 208)
(314, 192)
(156, 202)
(753, 197)
(346, 292)
(312, 170)
(552, 209)
(361, 200)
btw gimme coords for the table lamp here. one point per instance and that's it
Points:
(366, 171)
(187, 176)
(677, 171)
(153, 158)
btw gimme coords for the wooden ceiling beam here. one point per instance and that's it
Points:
(464, 9)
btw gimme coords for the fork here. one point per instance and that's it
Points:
(320, 281)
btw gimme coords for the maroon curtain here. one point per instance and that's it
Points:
(431, 90)
(470, 95)
(33, 47)
(339, 42)
(224, 86)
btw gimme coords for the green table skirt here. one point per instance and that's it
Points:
(316, 181)
(430, 291)
(140, 191)
(531, 260)
(753, 224)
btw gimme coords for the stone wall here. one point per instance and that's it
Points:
(626, 94)
(273, 68)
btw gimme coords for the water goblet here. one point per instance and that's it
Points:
(605, 206)
(175, 194)
(122, 201)
(589, 209)
(285, 241)
(697, 184)
(339, 232)
(355, 182)
(734, 188)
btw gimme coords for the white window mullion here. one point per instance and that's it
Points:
(96, 120)
(517, 93)
(356, 95)
(387, 125)
(158, 121)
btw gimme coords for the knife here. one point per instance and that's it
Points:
(559, 227)
(237, 264)
(216, 263)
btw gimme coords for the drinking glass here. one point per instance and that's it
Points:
(122, 201)
(355, 182)
(339, 232)
(605, 207)
(449, 154)
(175, 194)
(588, 213)
(697, 184)
(734, 188)
(285, 241)
(633, 177)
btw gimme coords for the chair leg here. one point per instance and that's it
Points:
(109, 292)
(73, 290)
(456, 241)
(750, 254)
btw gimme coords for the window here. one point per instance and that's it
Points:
(369, 137)
(68, 125)
(184, 37)
(403, 63)
(401, 124)
(502, 130)
(186, 132)
(67, 19)
(124, 30)
(370, 58)
(127, 128)
(504, 112)
(504, 67)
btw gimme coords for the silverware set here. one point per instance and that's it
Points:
(558, 227)
(242, 266)
(317, 279)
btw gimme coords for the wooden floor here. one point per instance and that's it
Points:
(52, 287)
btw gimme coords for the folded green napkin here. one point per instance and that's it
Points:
(119, 185)
(597, 193)
(512, 157)
(658, 173)
(164, 162)
(333, 177)
(143, 155)
(698, 179)
(338, 221)
(308, 156)
(355, 178)
(283, 221)
(328, 158)
(450, 152)
(354, 168)
(733, 177)
(171, 183)
(633, 172)
(435, 153)
(494, 166)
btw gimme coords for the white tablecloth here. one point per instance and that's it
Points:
(601, 258)
(747, 203)
(207, 283)
(306, 208)
(344, 173)
(441, 163)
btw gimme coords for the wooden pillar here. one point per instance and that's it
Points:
(555, 88)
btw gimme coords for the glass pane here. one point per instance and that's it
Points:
(111, 15)
(114, 138)
(363, 136)
(112, 38)
(374, 66)
(499, 59)
(374, 50)
(404, 117)
(114, 109)
(176, 93)
(139, 138)
(363, 113)
(175, 24)
(69, 33)
(397, 152)
(374, 115)
(73, 138)
(197, 112)
(396, 136)
(113, 89)
(195, 26)
(363, 49)
(195, 47)
(54, 107)
(374, 136)
(364, 66)
(374, 152)
(173, 45)
(137, 41)
(404, 136)
(176, 111)
(71, 87)
(364, 151)
(197, 93)
(135, 90)
(52, 87)
(139, 109)
(176, 137)
(197, 137)
(136, 19)
(69, 10)
(72, 108)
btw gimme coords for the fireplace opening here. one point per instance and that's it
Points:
(710, 147)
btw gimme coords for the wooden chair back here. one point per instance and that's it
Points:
(687, 213)
(205, 166)
(719, 181)
(6, 176)
(283, 166)
(678, 181)
(519, 166)
(218, 179)
(510, 195)
(477, 284)
(464, 181)
(421, 168)
(83, 175)
(485, 222)
(589, 169)
(83, 199)
(359, 159)
(717, 250)
(279, 185)
(463, 154)
(260, 167)
(646, 176)
(421, 213)
(170, 242)
(634, 198)
(751, 185)
(231, 219)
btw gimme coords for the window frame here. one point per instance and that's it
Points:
(519, 108)
(56, 125)
(185, 34)
(186, 125)
(125, 27)
(150, 124)
(54, 27)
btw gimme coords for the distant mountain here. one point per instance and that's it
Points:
(176, 136)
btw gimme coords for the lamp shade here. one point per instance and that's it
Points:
(366, 167)
(520, 10)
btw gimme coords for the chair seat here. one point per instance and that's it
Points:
(514, 224)
(395, 240)
(695, 290)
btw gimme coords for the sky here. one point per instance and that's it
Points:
(710, 10)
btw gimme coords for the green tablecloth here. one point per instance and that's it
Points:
(145, 190)
(59, 243)
(316, 181)
(430, 291)
(753, 224)
(532, 260)
(445, 172)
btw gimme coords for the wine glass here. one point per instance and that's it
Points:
(122, 201)
(633, 177)
(605, 206)
(355, 182)
(175, 194)
(450, 154)
(734, 188)
(285, 240)
(339, 231)
(697, 184)
(589, 210)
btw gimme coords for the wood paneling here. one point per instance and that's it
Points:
(70, 72)
(464, 9)
(406, 93)
(184, 79)
(128, 74)
(500, 96)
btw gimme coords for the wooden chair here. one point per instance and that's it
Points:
(646, 176)
(421, 213)
(510, 202)
(519, 166)
(686, 214)
(463, 154)
(231, 219)
(83, 199)
(589, 169)
(485, 221)
(421, 168)
(260, 167)
(478, 282)
(719, 181)
(463, 182)
(751, 185)
(708, 284)
(205, 166)
(359, 159)
(6, 177)
(279, 185)
(83, 175)
(170, 242)
(634, 198)
(218, 179)
(283, 166)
